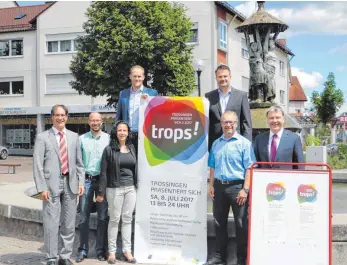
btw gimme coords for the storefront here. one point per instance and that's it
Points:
(18, 126)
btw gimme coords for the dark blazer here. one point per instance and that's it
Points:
(123, 102)
(289, 149)
(238, 102)
(110, 168)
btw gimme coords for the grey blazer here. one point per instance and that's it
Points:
(238, 102)
(47, 164)
(289, 149)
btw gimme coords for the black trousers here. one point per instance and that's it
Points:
(224, 197)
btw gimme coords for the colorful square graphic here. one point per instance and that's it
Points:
(175, 129)
(307, 193)
(275, 191)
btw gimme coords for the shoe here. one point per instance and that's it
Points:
(101, 257)
(51, 262)
(80, 257)
(111, 258)
(215, 261)
(133, 260)
(65, 262)
(241, 262)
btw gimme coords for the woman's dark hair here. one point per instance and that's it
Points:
(114, 143)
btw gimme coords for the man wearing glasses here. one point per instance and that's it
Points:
(93, 144)
(59, 178)
(229, 160)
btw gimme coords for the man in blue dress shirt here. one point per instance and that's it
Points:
(230, 158)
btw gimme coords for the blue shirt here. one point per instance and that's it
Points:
(92, 148)
(230, 158)
(224, 99)
(134, 105)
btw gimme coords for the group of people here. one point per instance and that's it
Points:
(69, 168)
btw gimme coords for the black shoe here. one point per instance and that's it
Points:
(65, 262)
(241, 262)
(80, 257)
(215, 261)
(101, 257)
(51, 262)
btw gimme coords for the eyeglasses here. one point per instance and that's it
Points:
(229, 122)
(59, 115)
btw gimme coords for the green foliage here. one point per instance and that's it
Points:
(329, 101)
(311, 141)
(120, 34)
(339, 159)
(323, 132)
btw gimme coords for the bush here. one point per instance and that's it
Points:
(311, 141)
(339, 159)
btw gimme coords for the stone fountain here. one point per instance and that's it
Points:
(261, 30)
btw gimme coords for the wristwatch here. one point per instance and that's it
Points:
(246, 190)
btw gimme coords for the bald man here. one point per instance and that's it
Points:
(93, 144)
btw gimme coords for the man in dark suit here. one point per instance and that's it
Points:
(129, 101)
(278, 144)
(227, 98)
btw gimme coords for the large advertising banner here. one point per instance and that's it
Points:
(289, 219)
(171, 208)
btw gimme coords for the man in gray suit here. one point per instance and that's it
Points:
(227, 98)
(279, 144)
(59, 177)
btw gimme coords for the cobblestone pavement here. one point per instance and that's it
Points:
(18, 249)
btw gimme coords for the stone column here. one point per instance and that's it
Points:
(333, 135)
(40, 121)
(312, 131)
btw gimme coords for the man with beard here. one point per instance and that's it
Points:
(278, 144)
(93, 144)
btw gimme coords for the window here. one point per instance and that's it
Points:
(245, 84)
(281, 96)
(223, 35)
(244, 49)
(61, 46)
(59, 84)
(11, 87)
(281, 68)
(194, 31)
(11, 48)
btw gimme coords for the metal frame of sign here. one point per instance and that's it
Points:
(288, 170)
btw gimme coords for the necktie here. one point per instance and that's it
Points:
(63, 154)
(273, 147)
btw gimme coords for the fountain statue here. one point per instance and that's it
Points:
(261, 31)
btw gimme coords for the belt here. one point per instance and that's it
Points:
(87, 176)
(229, 182)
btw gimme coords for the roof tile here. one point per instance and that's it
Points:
(296, 93)
(8, 22)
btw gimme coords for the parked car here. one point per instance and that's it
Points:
(332, 148)
(3, 152)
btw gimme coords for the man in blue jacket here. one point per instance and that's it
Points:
(129, 101)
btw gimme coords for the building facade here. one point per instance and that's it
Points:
(216, 42)
(36, 48)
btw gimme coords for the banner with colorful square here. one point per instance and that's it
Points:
(171, 207)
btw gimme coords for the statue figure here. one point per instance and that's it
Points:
(256, 65)
(270, 66)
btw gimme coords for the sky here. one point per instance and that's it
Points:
(317, 35)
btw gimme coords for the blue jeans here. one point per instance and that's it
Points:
(86, 202)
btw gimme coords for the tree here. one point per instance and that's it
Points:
(120, 34)
(329, 101)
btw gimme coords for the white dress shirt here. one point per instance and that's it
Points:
(224, 99)
(279, 135)
(57, 136)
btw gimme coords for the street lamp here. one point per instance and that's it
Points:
(199, 66)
